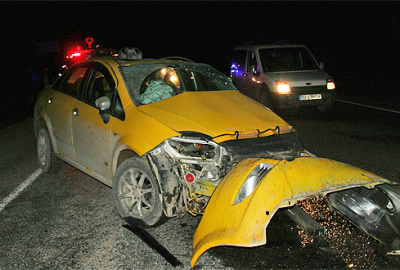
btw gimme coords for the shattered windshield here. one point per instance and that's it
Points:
(287, 59)
(152, 82)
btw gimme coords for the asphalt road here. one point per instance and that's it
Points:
(68, 220)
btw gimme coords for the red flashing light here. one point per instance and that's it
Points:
(76, 55)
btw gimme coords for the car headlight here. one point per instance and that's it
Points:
(252, 181)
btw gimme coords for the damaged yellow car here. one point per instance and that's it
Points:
(171, 136)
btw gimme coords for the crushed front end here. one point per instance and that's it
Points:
(239, 183)
(197, 164)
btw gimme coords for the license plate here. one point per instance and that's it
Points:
(310, 97)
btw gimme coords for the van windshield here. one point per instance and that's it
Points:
(286, 59)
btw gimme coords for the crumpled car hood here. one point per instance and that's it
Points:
(213, 113)
(244, 223)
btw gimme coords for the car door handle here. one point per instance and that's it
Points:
(75, 112)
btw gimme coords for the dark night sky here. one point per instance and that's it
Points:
(347, 36)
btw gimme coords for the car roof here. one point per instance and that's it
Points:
(256, 46)
(128, 62)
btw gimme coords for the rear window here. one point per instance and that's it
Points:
(287, 59)
(152, 82)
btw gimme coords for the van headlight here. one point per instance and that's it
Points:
(282, 87)
(252, 181)
(330, 85)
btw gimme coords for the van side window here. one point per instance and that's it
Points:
(252, 62)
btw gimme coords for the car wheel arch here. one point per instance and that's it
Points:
(42, 123)
(168, 183)
(39, 123)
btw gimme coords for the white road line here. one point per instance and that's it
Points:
(368, 106)
(20, 188)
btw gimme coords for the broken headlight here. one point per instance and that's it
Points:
(192, 148)
(204, 158)
(252, 181)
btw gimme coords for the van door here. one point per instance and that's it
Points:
(238, 68)
(251, 76)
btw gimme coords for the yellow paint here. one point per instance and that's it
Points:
(229, 110)
(244, 224)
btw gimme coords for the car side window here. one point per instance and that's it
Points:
(72, 84)
(101, 84)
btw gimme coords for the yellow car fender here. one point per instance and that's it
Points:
(149, 132)
(244, 224)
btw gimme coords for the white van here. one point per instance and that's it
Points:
(282, 75)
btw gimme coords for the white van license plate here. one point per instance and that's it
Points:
(310, 97)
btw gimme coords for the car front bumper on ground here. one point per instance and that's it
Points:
(236, 220)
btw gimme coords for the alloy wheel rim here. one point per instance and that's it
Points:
(42, 149)
(136, 193)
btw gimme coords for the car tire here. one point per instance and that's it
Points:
(48, 160)
(137, 194)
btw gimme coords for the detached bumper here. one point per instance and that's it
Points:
(244, 224)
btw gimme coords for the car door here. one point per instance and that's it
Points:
(92, 137)
(60, 109)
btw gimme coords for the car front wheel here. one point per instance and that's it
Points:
(48, 160)
(137, 194)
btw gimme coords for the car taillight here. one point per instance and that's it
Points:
(282, 87)
(330, 85)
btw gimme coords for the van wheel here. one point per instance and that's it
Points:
(136, 193)
(48, 160)
(325, 108)
(264, 98)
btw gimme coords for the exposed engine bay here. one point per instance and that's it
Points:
(200, 164)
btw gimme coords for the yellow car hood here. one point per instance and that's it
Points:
(244, 223)
(213, 113)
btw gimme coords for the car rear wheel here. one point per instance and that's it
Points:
(136, 193)
(48, 160)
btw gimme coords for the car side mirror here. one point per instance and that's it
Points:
(103, 103)
(322, 65)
